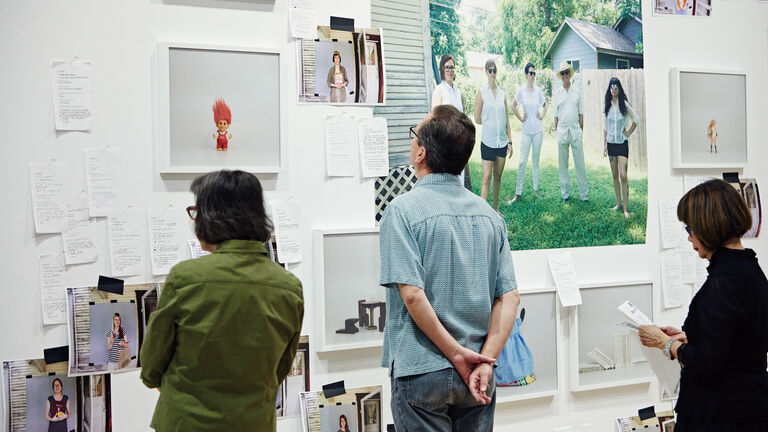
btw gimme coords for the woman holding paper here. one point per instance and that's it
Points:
(227, 325)
(722, 348)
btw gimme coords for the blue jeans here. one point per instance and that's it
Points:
(439, 402)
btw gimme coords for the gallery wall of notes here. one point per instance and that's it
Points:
(84, 197)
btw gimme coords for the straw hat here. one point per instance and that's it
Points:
(565, 66)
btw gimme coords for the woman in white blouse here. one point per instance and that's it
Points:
(618, 114)
(532, 100)
(446, 93)
(495, 144)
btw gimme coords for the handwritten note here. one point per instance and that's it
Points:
(48, 183)
(102, 178)
(339, 146)
(285, 215)
(79, 236)
(672, 230)
(374, 150)
(53, 295)
(671, 280)
(196, 250)
(303, 18)
(164, 240)
(564, 274)
(72, 94)
(127, 241)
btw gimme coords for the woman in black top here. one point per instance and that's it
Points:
(722, 350)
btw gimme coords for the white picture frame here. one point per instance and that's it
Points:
(347, 269)
(691, 117)
(190, 77)
(545, 350)
(592, 322)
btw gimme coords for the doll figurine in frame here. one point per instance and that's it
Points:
(222, 116)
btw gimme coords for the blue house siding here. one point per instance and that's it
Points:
(630, 28)
(608, 61)
(572, 47)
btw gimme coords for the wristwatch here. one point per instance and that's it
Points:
(668, 348)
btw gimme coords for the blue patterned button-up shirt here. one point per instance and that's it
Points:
(444, 239)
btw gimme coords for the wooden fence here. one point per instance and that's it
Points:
(595, 83)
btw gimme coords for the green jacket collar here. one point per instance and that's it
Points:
(241, 246)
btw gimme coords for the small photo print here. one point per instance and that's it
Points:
(683, 7)
(297, 381)
(51, 403)
(357, 410)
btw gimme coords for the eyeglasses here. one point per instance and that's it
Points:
(565, 73)
(192, 212)
(450, 68)
(491, 71)
(688, 230)
(412, 132)
(614, 86)
(532, 73)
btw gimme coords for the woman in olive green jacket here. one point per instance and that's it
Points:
(227, 324)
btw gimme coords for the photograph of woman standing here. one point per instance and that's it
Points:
(57, 408)
(116, 342)
(618, 113)
(531, 98)
(712, 135)
(337, 79)
(495, 143)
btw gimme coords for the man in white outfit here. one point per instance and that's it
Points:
(569, 122)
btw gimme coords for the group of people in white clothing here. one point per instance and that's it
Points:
(530, 107)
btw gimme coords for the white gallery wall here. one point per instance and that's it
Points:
(120, 40)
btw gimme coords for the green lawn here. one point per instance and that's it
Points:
(545, 222)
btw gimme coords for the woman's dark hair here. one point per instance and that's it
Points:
(120, 331)
(230, 206)
(528, 66)
(489, 63)
(53, 383)
(346, 422)
(443, 60)
(622, 97)
(715, 212)
(449, 137)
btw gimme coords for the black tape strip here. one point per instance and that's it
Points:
(111, 285)
(334, 40)
(133, 301)
(91, 303)
(29, 376)
(51, 373)
(56, 355)
(113, 301)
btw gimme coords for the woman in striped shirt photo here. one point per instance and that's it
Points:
(116, 342)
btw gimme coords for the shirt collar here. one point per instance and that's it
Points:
(725, 254)
(438, 179)
(247, 246)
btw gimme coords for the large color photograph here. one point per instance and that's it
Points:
(556, 91)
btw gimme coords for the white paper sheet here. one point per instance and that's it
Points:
(79, 236)
(102, 178)
(165, 244)
(48, 182)
(53, 293)
(127, 242)
(671, 280)
(303, 18)
(564, 274)
(285, 215)
(196, 250)
(672, 230)
(374, 148)
(691, 181)
(688, 261)
(633, 314)
(72, 94)
(340, 136)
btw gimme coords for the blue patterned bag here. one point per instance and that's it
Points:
(515, 364)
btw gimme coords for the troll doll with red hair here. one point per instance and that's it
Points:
(223, 118)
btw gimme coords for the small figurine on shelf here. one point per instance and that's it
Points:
(223, 118)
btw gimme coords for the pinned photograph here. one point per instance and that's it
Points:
(357, 410)
(683, 7)
(342, 67)
(297, 381)
(103, 329)
(41, 397)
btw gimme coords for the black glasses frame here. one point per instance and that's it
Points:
(412, 132)
(688, 230)
(192, 212)
(531, 73)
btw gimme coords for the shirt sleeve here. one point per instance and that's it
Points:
(519, 96)
(632, 114)
(286, 359)
(581, 103)
(722, 310)
(505, 279)
(159, 340)
(401, 261)
(555, 104)
(542, 101)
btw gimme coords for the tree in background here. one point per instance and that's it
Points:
(526, 27)
(629, 8)
(445, 30)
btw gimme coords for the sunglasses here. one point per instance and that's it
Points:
(532, 73)
(565, 73)
(412, 132)
(688, 230)
(450, 68)
(614, 86)
(491, 71)
(192, 212)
